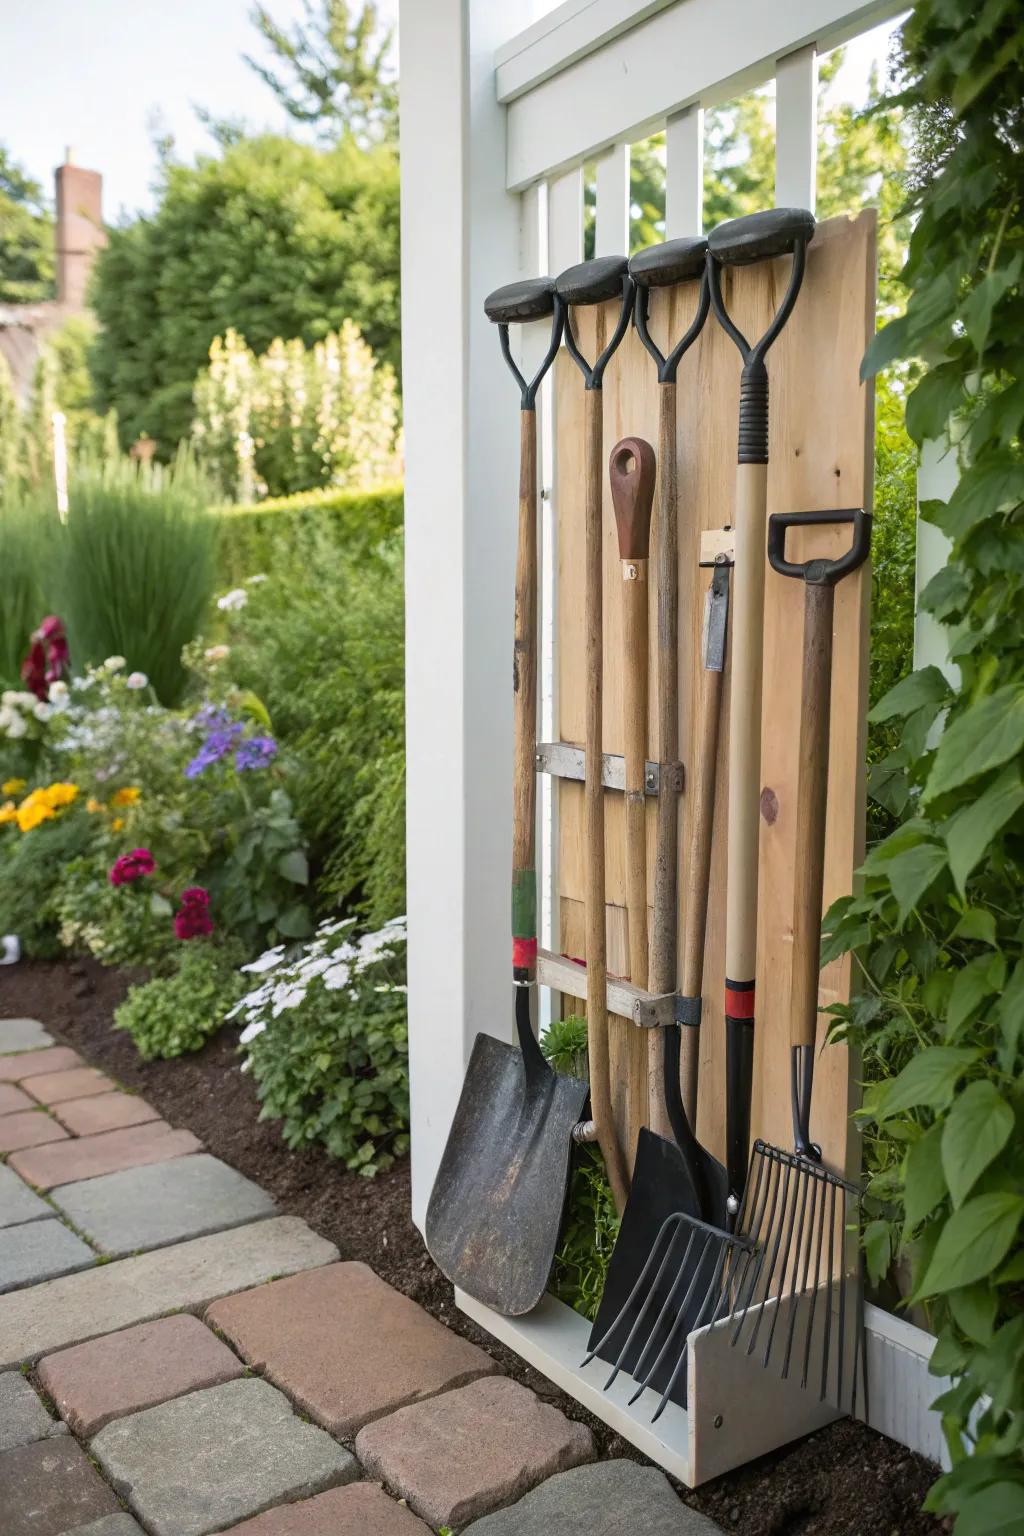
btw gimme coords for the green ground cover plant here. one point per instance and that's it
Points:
(173, 1014)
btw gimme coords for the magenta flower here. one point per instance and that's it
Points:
(132, 866)
(193, 920)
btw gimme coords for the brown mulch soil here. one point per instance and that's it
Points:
(844, 1481)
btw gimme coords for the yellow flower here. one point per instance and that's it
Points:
(8, 812)
(117, 824)
(126, 796)
(94, 807)
(12, 787)
(60, 794)
(33, 811)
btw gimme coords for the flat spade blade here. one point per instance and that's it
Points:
(648, 1308)
(498, 1201)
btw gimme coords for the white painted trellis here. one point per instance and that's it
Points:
(498, 118)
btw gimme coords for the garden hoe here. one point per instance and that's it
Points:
(594, 282)
(796, 1213)
(499, 1197)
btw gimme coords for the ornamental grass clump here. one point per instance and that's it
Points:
(326, 1038)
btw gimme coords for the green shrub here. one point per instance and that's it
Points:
(31, 864)
(326, 1036)
(136, 567)
(177, 1013)
(290, 529)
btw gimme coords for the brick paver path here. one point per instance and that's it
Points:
(229, 1374)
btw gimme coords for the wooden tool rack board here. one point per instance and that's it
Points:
(821, 458)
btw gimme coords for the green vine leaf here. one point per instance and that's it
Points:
(927, 686)
(911, 873)
(980, 979)
(972, 829)
(924, 1180)
(985, 736)
(973, 1242)
(997, 1510)
(974, 1311)
(928, 1081)
(976, 1130)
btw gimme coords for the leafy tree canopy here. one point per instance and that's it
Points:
(273, 239)
(26, 237)
(336, 71)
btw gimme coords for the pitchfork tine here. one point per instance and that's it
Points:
(794, 1312)
(679, 1318)
(771, 1268)
(814, 1293)
(773, 1185)
(828, 1304)
(785, 1262)
(842, 1303)
(634, 1293)
(697, 1323)
(649, 1298)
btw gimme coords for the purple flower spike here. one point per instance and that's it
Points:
(257, 752)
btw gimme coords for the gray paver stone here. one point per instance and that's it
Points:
(22, 1035)
(40, 1250)
(17, 1201)
(110, 1525)
(470, 1451)
(201, 1462)
(137, 1368)
(346, 1346)
(606, 1499)
(64, 1162)
(162, 1203)
(189, 1275)
(360, 1509)
(50, 1488)
(22, 1416)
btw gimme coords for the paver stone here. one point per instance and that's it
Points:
(345, 1345)
(104, 1112)
(33, 1128)
(162, 1203)
(12, 1099)
(17, 1202)
(78, 1083)
(40, 1250)
(23, 1418)
(110, 1525)
(470, 1451)
(359, 1509)
(23, 1035)
(54, 1058)
(88, 1157)
(136, 1368)
(50, 1488)
(201, 1462)
(189, 1275)
(609, 1498)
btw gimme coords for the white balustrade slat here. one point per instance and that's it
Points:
(796, 129)
(611, 235)
(684, 174)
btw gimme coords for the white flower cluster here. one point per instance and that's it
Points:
(18, 708)
(233, 600)
(334, 953)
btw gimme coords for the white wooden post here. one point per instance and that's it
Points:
(796, 129)
(937, 476)
(611, 235)
(460, 238)
(684, 174)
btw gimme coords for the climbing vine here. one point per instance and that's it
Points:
(936, 924)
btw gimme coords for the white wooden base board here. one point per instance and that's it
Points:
(737, 1411)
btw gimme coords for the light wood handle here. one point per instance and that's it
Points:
(597, 965)
(524, 687)
(634, 699)
(747, 648)
(812, 798)
(662, 976)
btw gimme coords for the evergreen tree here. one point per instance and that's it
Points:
(26, 237)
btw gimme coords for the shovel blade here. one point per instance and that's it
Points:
(498, 1201)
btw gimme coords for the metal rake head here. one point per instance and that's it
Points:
(796, 1217)
(686, 1283)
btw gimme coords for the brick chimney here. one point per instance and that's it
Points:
(80, 232)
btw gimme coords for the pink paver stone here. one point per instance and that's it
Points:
(360, 1509)
(123, 1372)
(55, 1058)
(32, 1128)
(12, 1099)
(468, 1452)
(55, 1087)
(64, 1162)
(345, 1345)
(105, 1112)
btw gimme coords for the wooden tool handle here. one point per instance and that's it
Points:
(812, 797)
(631, 471)
(665, 916)
(597, 966)
(524, 685)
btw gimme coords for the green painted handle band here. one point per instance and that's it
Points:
(524, 904)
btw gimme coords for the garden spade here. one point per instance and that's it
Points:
(496, 1208)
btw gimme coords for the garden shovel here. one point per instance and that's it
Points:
(496, 1208)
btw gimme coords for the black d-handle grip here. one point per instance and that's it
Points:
(819, 572)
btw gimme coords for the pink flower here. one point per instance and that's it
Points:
(193, 920)
(132, 866)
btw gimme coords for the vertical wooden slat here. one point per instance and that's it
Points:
(612, 232)
(796, 128)
(684, 174)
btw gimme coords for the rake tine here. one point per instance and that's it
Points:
(828, 1304)
(814, 1292)
(773, 1185)
(861, 1354)
(842, 1303)
(652, 1333)
(793, 1222)
(697, 1323)
(634, 1293)
(814, 1184)
(679, 1318)
(771, 1268)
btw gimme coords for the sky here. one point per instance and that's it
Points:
(102, 76)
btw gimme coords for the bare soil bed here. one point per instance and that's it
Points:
(844, 1481)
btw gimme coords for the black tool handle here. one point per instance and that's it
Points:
(817, 571)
